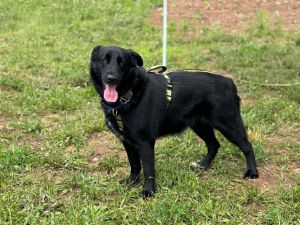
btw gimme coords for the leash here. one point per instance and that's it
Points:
(268, 85)
(240, 80)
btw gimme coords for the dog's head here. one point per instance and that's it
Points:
(112, 70)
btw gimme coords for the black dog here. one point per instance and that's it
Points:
(200, 100)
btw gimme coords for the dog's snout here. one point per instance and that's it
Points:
(111, 78)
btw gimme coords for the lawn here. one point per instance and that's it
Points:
(60, 165)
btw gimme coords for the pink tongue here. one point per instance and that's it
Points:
(110, 93)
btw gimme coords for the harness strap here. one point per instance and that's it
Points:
(169, 87)
(157, 69)
(160, 70)
(119, 122)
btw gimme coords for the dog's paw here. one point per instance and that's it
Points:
(199, 165)
(251, 174)
(147, 193)
(149, 188)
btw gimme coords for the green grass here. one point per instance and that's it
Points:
(49, 112)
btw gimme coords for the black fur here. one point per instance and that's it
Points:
(200, 100)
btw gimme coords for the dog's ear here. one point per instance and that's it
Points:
(94, 68)
(137, 59)
(96, 53)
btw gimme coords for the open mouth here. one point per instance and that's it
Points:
(110, 93)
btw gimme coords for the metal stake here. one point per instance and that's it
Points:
(165, 15)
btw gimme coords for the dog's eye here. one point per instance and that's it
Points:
(120, 61)
(107, 59)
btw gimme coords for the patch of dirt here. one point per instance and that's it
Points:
(231, 15)
(247, 101)
(44, 77)
(292, 134)
(2, 122)
(295, 167)
(53, 176)
(270, 177)
(34, 143)
(273, 175)
(2, 38)
(286, 133)
(50, 118)
(104, 145)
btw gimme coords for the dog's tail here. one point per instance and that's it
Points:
(236, 98)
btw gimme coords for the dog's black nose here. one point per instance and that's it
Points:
(111, 79)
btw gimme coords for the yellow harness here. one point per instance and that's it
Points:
(160, 70)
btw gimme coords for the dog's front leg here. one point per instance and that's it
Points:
(146, 152)
(135, 164)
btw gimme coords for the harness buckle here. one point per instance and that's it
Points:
(157, 69)
(124, 100)
(114, 112)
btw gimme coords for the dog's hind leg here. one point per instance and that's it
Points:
(135, 164)
(233, 129)
(206, 133)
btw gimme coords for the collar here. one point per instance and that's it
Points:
(120, 105)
